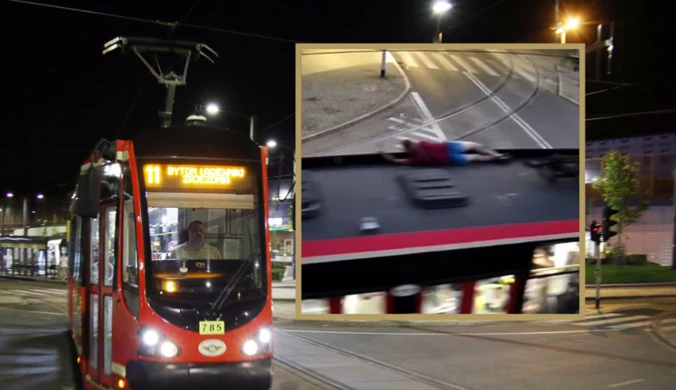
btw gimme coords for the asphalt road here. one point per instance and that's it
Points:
(476, 356)
(506, 356)
(34, 346)
(469, 96)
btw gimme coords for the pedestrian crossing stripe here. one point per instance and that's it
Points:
(617, 321)
(36, 292)
(424, 133)
(456, 62)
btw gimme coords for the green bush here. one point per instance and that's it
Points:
(278, 271)
(629, 259)
(644, 273)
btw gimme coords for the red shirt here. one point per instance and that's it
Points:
(430, 153)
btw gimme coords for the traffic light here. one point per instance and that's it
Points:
(608, 223)
(595, 231)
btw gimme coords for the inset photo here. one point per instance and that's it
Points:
(441, 179)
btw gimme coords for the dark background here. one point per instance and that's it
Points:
(61, 95)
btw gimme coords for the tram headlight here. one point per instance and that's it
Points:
(264, 336)
(250, 348)
(260, 343)
(168, 349)
(154, 344)
(150, 338)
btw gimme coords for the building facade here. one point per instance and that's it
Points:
(653, 233)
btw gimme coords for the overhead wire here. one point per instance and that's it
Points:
(623, 86)
(172, 25)
(632, 114)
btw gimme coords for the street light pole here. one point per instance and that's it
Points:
(440, 8)
(252, 127)
(439, 33)
(599, 38)
(4, 210)
(25, 217)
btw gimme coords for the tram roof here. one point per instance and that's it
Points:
(195, 141)
(415, 245)
(511, 197)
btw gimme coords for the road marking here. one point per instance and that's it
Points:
(631, 382)
(514, 116)
(508, 63)
(613, 320)
(397, 120)
(563, 95)
(462, 63)
(427, 114)
(426, 61)
(632, 326)
(438, 334)
(483, 66)
(35, 311)
(585, 318)
(408, 60)
(524, 69)
(445, 62)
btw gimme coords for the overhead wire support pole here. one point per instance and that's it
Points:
(190, 51)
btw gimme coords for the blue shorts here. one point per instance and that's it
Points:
(456, 153)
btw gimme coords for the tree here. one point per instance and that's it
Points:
(620, 187)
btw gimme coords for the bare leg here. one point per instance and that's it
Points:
(478, 148)
(478, 157)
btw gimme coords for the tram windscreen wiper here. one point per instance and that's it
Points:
(219, 302)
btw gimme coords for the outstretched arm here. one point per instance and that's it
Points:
(391, 158)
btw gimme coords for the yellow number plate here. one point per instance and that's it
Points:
(212, 327)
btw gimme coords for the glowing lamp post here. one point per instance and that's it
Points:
(440, 8)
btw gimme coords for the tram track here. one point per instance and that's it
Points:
(414, 376)
(489, 95)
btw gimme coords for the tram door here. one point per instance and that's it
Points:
(101, 271)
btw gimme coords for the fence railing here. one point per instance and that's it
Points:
(656, 174)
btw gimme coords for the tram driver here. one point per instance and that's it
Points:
(195, 248)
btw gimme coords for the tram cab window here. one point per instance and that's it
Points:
(130, 254)
(75, 264)
(553, 287)
(199, 250)
(129, 250)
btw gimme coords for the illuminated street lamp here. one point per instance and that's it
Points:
(440, 8)
(212, 109)
(272, 143)
(40, 196)
(571, 24)
(10, 195)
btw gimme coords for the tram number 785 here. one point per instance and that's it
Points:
(212, 327)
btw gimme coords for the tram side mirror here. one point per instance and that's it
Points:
(88, 194)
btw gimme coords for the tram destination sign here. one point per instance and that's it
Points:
(197, 177)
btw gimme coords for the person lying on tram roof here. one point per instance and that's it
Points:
(455, 153)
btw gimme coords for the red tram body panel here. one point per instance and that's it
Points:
(147, 310)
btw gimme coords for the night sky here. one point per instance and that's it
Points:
(62, 95)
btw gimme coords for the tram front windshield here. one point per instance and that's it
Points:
(205, 225)
(198, 252)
